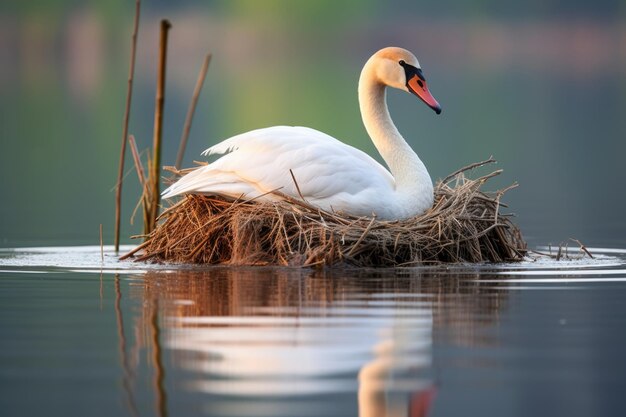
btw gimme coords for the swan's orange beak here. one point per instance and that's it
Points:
(417, 85)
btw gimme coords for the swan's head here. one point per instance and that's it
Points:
(398, 68)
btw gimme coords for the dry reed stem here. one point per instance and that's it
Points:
(192, 109)
(155, 165)
(582, 247)
(129, 93)
(138, 165)
(144, 199)
(101, 246)
(462, 226)
(563, 251)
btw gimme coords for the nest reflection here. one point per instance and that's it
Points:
(252, 334)
(456, 301)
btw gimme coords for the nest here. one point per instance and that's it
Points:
(463, 226)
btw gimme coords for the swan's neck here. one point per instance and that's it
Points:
(412, 180)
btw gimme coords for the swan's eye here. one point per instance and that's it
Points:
(402, 63)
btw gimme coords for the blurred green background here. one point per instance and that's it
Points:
(540, 85)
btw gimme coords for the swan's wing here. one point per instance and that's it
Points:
(268, 137)
(260, 161)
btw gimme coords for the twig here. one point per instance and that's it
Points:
(582, 247)
(468, 168)
(363, 235)
(484, 178)
(293, 177)
(145, 194)
(101, 245)
(548, 254)
(135, 250)
(192, 109)
(137, 159)
(129, 93)
(155, 175)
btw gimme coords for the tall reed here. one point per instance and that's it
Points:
(155, 163)
(129, 93)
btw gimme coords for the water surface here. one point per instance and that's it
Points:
(84, 336)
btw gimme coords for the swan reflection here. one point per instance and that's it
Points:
(285, 342)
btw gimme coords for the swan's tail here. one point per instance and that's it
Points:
(187, 184)
(212, 182)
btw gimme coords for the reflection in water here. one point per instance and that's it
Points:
(275, 341)
(538, 338)
(157, 363)
(128, 373)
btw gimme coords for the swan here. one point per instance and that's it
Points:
(307, 164)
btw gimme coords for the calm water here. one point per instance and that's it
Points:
(82, 337)
(541, 86)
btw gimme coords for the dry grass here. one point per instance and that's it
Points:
(464, 225)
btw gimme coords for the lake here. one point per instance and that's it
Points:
(540, 86)
(84, 336)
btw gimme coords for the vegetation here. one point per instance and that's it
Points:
(464, 225)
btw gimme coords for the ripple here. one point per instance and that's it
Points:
(88, 259)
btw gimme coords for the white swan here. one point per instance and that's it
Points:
(329, 174)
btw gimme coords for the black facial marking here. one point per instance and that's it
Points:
(419, 73)
(410, 71)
